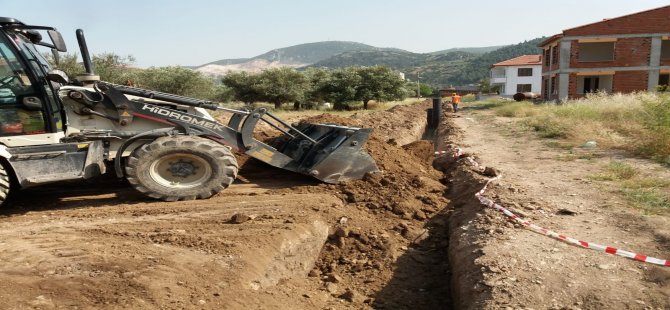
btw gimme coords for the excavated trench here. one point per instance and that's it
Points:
(400, 245)
(439, 270)
(411, 258)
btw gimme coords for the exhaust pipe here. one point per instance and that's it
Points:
(89, 77)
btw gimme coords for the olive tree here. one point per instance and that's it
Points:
(177, 80)
(283, 85)
(340, 87)
(245, 87)
(379, 83)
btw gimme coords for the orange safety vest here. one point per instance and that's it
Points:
(456, 99)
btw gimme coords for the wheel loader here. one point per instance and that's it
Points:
(167, 146)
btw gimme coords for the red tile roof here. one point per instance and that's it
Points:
(525, 60)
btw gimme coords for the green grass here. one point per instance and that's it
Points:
(488, 103)
(559, 144)
(650, 200)
(621, 170)
(517, 109)
(648, 194)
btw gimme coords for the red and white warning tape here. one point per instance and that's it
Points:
(455, 152)
(543, 231)
(540, 230)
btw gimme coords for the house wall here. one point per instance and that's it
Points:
(630, 81)
(551, 52)
(512, 79)
(628, 52)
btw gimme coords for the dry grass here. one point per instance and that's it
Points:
(638, 123)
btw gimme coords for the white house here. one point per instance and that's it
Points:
(518, 75)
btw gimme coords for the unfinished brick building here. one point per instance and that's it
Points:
(622, 54)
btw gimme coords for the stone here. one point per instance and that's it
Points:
(589, 144)
(353, 296)
(491, 172)
(372, 206)
(342, 232)
(420, 215)
(566, 211)
(332, 288)
(341, 242)
(314, 273)
(350, 196)
(333, 278)
(239, 218)
(605, 266)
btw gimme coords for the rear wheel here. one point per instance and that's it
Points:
(5, 184)
(181, 168)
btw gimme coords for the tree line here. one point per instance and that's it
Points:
(309, 88)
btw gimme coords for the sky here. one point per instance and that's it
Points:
(195, 32)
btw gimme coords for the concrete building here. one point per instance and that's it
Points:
(518, 75)
(623, 54)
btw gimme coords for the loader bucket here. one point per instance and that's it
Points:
(336, 156)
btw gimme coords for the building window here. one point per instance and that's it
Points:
(523, 88)
(546, 57)
(664, 79)
(591, 84)
(665, 49)
(497, 73)
(598, 51)
(525, 72)
(545, 91)
(554, 55)
(554, 91)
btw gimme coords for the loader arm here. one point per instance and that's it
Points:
(329, 153)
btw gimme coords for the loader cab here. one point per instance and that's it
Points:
(30, 111)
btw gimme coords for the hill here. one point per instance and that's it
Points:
(292, 56)
(472, 50)
(457, 66)
(448, 67)
(478, 68)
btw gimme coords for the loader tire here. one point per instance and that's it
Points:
(5, 184)
(181, 168)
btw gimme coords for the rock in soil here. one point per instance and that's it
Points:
(239, 218)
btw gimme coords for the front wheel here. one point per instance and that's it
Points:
(5, 184)
(181, 168)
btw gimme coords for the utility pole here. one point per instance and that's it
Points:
(418, 86)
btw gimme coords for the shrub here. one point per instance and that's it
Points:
(548, 127)
(517, 109)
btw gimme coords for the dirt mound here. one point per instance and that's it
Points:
(331, 119)
(424, 150)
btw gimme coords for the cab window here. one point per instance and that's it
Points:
(14, 86)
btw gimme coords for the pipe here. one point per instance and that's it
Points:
(86, 57)
(525, 96)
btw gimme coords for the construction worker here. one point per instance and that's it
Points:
(455, 100)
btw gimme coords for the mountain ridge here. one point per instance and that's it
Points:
(453, 66)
